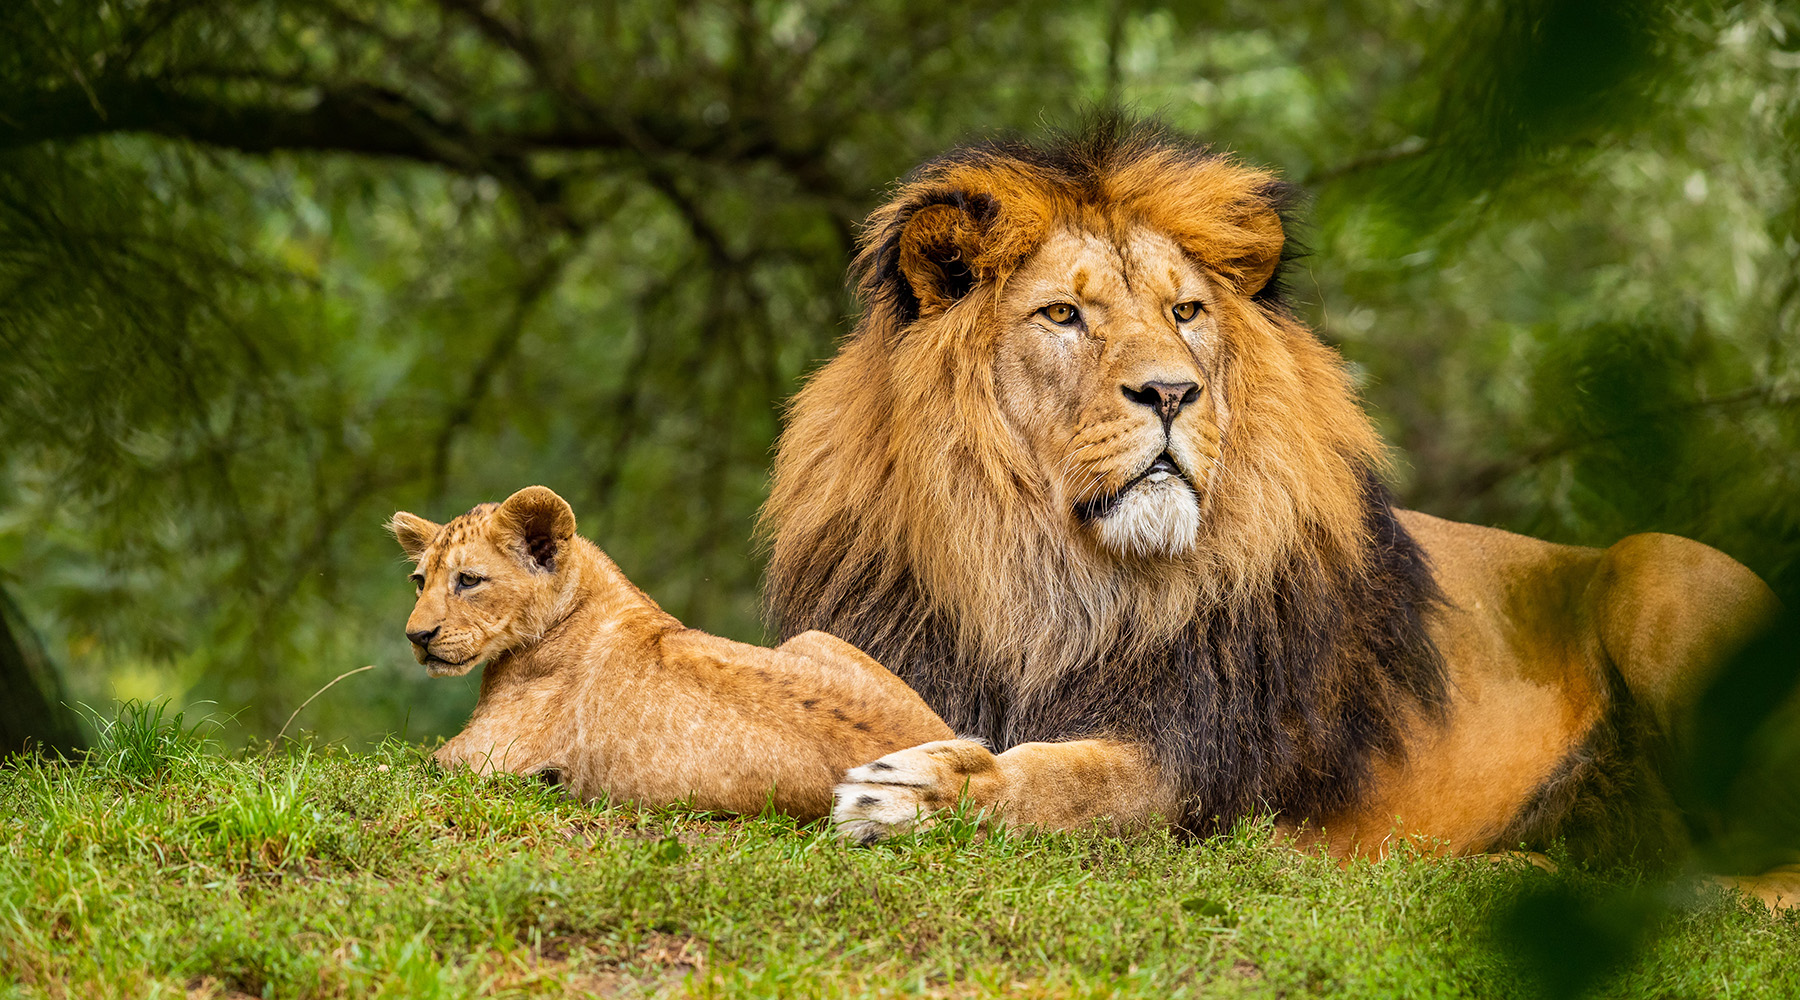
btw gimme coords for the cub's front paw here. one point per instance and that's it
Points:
(900, 791)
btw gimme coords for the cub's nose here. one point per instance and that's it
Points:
(1166, 398)
(423, 637)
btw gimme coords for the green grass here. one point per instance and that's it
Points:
(163, 866)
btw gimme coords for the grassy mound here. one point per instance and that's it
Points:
(162, 866)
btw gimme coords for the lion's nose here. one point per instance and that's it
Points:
(1166, 398)
(423, 637)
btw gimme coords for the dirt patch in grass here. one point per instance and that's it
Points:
(1243, 968)
(582, 966)
(208, 988)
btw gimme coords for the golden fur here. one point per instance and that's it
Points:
(588, 681)
(961, 492)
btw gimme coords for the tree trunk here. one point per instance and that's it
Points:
(32, 712)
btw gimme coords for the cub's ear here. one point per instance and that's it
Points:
(413, 532)
(939, 245)
(540, 521)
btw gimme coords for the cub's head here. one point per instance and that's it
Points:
(1074, 407)
(488, 581)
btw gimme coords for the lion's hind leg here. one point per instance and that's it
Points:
(1669, 612)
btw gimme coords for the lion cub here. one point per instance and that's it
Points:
(590, 682)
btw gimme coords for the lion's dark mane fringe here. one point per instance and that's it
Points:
(1281, 705)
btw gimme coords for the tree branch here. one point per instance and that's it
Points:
(1488, 477)
(375, 121)
(353, 120)
(1405, 149)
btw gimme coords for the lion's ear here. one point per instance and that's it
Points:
(939, 245)
(1263, 236)
(540, 521)
(413, 532)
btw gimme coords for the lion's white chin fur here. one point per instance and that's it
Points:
(1158, 520)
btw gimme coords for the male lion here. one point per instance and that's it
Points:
(591, 683)
(1082, 480)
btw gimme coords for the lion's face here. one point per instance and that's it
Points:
(1107, 366)
(487, 581)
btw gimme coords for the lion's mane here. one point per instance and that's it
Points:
(1268, 669)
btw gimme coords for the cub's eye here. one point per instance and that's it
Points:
(1062, 314)
(418, 582)
(1185, 311)
(467, 580)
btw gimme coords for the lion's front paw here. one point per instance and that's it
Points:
(900, 791)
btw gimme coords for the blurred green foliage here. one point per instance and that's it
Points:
(272, 269)
(1566, 942)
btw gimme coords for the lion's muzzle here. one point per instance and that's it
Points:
(1165, 399)
(434, 664)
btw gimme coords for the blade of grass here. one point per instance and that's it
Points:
(315, 694)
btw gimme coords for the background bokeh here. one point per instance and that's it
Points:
(272, 269)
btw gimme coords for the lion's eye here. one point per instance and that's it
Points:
(418, 582)
(467, 580)
(1062, 314)
(1185, 311)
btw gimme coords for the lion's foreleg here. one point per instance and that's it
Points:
(1042, 786)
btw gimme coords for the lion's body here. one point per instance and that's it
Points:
(1082, 480)
(587, 679)
(1566, 667)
